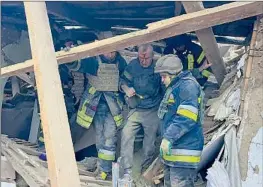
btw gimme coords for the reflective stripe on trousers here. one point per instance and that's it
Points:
(106, 155)
(183, 155)
(82, 118)
(118, 119)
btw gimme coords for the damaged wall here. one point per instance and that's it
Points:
(250, 132)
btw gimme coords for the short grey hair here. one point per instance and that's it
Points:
(144, 47)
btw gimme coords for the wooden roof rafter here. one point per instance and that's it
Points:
(155, 31)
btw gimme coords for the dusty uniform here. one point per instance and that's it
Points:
(144, 114)
(181, 112)
(101, 105)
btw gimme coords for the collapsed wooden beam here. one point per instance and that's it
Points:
(208, 42)
(60, 155)
(156, 31)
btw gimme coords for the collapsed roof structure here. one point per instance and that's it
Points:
(152, 21)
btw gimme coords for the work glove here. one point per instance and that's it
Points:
(166, 147)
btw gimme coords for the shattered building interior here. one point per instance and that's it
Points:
(236, 29)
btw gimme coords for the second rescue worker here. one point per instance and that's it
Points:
(192, 57)
(101, 105)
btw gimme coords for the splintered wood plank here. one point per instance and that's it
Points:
(208, 42)
(156, 31)
(60, 155)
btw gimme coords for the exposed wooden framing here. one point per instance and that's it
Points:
(60, 155)
(208, 42)
(248, 66)
(156, 31)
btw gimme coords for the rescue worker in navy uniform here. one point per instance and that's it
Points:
(192, 56)
(142, 86)
(101, 105)
(181, 112)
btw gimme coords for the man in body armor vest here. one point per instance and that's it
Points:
(101, 105)
(181, 112)
(143, 95)
(191, 55)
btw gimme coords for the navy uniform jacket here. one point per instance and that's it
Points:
(145, 82)
(181, 112)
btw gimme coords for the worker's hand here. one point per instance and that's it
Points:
(130, 92)
(166, 147)
(205, 65)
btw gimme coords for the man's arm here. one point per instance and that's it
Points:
(126, 81)
(186, 115)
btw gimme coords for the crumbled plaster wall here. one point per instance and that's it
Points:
(250, 132)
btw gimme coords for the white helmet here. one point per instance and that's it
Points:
(171, 64)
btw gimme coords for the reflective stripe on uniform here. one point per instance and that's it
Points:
(118, 119)
(206, 73)
(84, 121)
(190, 59)
(183, 155)
(201, 57)
(186, 152)
(82, 118)
(188, 111)
(103, 175)
(171, 101)
(92, 90)
(182, 158)
(106, 155)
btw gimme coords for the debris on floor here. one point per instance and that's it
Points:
(24, 158)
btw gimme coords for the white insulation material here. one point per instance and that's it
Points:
(217, 176)
(255, 163)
